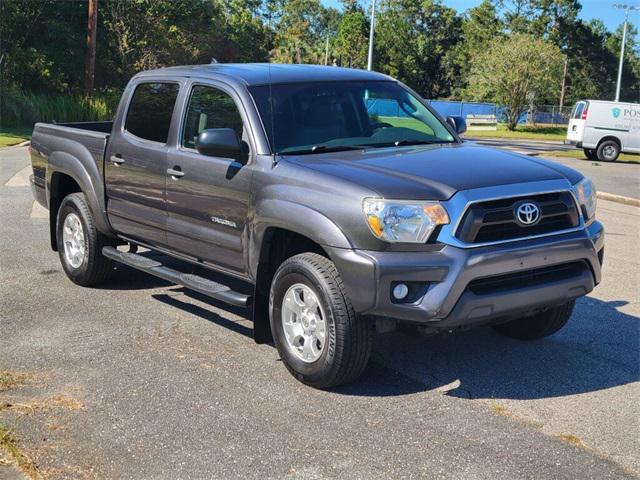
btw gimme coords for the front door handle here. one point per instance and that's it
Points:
(175, 172)
(117, 159)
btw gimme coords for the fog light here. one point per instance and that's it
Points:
(400, 291)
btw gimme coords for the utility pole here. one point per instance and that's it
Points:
(326, 52)
(90, 59)
(373, 26)
(626, 9)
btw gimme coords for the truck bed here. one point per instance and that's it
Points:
(68, 137)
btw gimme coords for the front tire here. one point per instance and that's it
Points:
(537, 326)
(608, 151)
(321, 340)
(80, 243)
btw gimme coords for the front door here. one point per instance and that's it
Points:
(136, 167)
(208, 198)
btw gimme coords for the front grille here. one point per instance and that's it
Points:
(527, 279)
(495, 220)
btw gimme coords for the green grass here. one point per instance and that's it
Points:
(21, 109)
(541, 132)
(577, 153)
(13, 136)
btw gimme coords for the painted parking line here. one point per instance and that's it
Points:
(38, 211)
(20, 179)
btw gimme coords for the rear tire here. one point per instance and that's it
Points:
(537, 326)
(608, 151)
(340, 351)
(590, 153)
(80, 243)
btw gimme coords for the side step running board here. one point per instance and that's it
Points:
(193, 282)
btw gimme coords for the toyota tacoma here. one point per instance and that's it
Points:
(338, 199)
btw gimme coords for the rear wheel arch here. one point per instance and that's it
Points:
(612, 138)
(67, 174)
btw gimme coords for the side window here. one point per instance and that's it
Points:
(209, 108)
(150, 110)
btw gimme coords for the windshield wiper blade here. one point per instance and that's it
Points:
(403, 143)
(323, 149)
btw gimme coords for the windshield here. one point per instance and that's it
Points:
(330, 116)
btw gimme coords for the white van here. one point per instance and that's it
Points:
(604, 129)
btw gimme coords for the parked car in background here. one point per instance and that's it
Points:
(605, 129)
(340, 218)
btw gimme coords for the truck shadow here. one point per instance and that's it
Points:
(598, 349)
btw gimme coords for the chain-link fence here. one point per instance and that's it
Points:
(553, 115)
(549, 115)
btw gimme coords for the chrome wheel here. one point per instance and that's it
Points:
(304, 323)
(74, 241)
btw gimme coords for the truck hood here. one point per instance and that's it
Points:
(433, 172)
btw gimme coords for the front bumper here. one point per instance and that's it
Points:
(447, 274)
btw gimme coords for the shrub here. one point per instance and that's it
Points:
(23, 109)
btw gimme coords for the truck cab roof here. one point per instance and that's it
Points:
(253, 74)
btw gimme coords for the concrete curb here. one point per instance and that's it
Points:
(612, 197)
(23, 144)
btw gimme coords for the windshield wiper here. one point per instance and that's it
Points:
(403, 143)
(322, 149)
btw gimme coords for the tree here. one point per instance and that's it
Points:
(511, 72)
(352, 40)
(300, 32)
(248, 35)
(415, 42)
(630, 87)
(481, 25)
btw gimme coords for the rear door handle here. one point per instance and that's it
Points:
(117, 159)
(175, 172)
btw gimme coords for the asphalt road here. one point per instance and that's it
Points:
(141, 379)
(523, 146)
(619, 178)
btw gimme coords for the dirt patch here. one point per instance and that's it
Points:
(10, 380)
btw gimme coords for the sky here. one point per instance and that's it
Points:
(601, 9)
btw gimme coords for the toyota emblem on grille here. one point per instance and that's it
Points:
(527, 214)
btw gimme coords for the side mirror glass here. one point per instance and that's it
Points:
(459, 124)
(219, 142)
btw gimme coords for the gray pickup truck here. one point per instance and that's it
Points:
(337, 198)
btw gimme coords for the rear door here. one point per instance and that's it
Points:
(136, 164)
(575, 130)
(208, 203)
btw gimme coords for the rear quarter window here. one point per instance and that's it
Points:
(150, 111)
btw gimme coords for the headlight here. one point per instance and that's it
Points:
(401, 221)
(586, 194)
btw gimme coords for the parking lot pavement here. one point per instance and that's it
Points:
(141, 379)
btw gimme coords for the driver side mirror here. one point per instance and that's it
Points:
(459, 124)
(219, 142)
